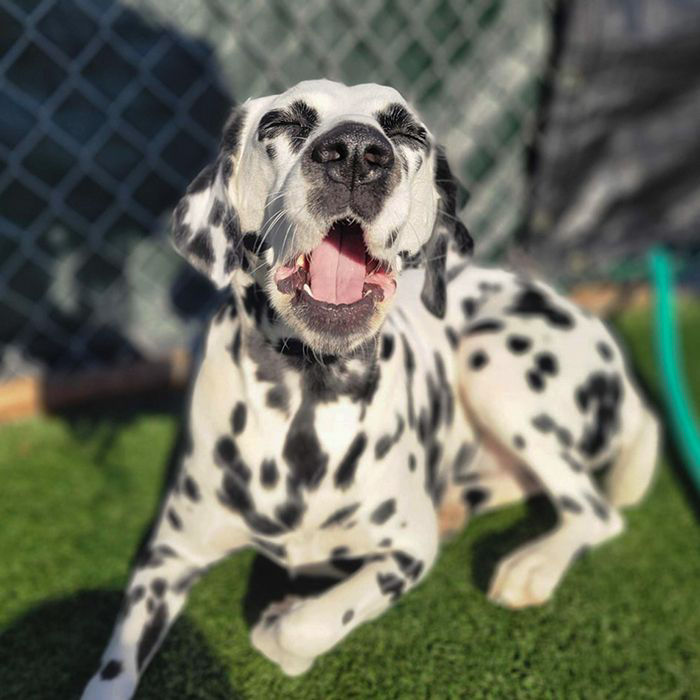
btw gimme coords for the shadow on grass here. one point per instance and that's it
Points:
(56, 647)
(490, 549)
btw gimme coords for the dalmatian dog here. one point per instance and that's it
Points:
(365, 388)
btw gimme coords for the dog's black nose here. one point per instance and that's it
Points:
(353, 154)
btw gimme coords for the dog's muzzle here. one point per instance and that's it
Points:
(350, 168)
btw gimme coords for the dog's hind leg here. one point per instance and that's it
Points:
(157, 591)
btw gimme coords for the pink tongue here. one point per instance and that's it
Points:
(337, 266)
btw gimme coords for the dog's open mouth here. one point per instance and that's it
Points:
(338, 272)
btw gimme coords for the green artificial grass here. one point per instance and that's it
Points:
(76, 495)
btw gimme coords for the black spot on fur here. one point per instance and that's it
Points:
(478, 359)
(452, 337)
(290, 513)
(340, 516)
(345, 473)
(201, 247)
(151, 634)
(269, 473)
(412, 462)
(534, 380)
(518, 344)
(547, 363)
(191, 489)
(278, 397)
(339, 552)
(569, 504)
(599, 508)
(216, 214)
(599, 396)
(475, 497)
(519, 441)
(159, 586)
(604, 350)
(174, 519)
(532, 303)
(383, 511)
(386, 542)
(488, 325)
(387, 346)
(347, 616)
(232, 132)
(391, 585)
(225, 452)
(391, 238)
(238, 418)
(111, 670)
(271, 151)
(410, 567)
(469, 307)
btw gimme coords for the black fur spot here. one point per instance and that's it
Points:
(569, 504)
(547, 363)
(412, 462)
(289, 513)
(347, 616)
(225, 452)
(531, 303)
(391, 585)
(269, 473)
(159, 586)
(232, 132)
(383, 511)
(278, 397)
(345, 473)
(191, 489)
(386, 542)
(599, 508)
(238, 418)
(604, 350)
(235, 494)
(200, 247)
(488, 325)
(518, 344)
(151, 634)
(271, 151)
(534, 380)
(575, 465)
(469, 307)
(478, 359)
(600, 395)
(475, 497)
(339, 552)
(216, 214)
(381, 449)
(519, 441)
(111, 670)
(452, 337)
(174, 519)
(340, 515)
(387, 347)
(409, 566)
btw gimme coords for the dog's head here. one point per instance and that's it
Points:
(322, 193)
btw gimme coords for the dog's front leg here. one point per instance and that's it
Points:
(294, 632)
(155, 595)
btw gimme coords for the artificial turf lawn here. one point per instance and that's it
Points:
(76, 496)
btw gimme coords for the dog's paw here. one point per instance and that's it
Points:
(267, 637)
(527, 577)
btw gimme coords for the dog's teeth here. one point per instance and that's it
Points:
(307, 289)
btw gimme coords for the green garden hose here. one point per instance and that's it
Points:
(670, 363)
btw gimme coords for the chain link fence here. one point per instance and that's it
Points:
(108, 109)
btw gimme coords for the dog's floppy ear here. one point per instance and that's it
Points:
(205, 225)
(448, 231)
